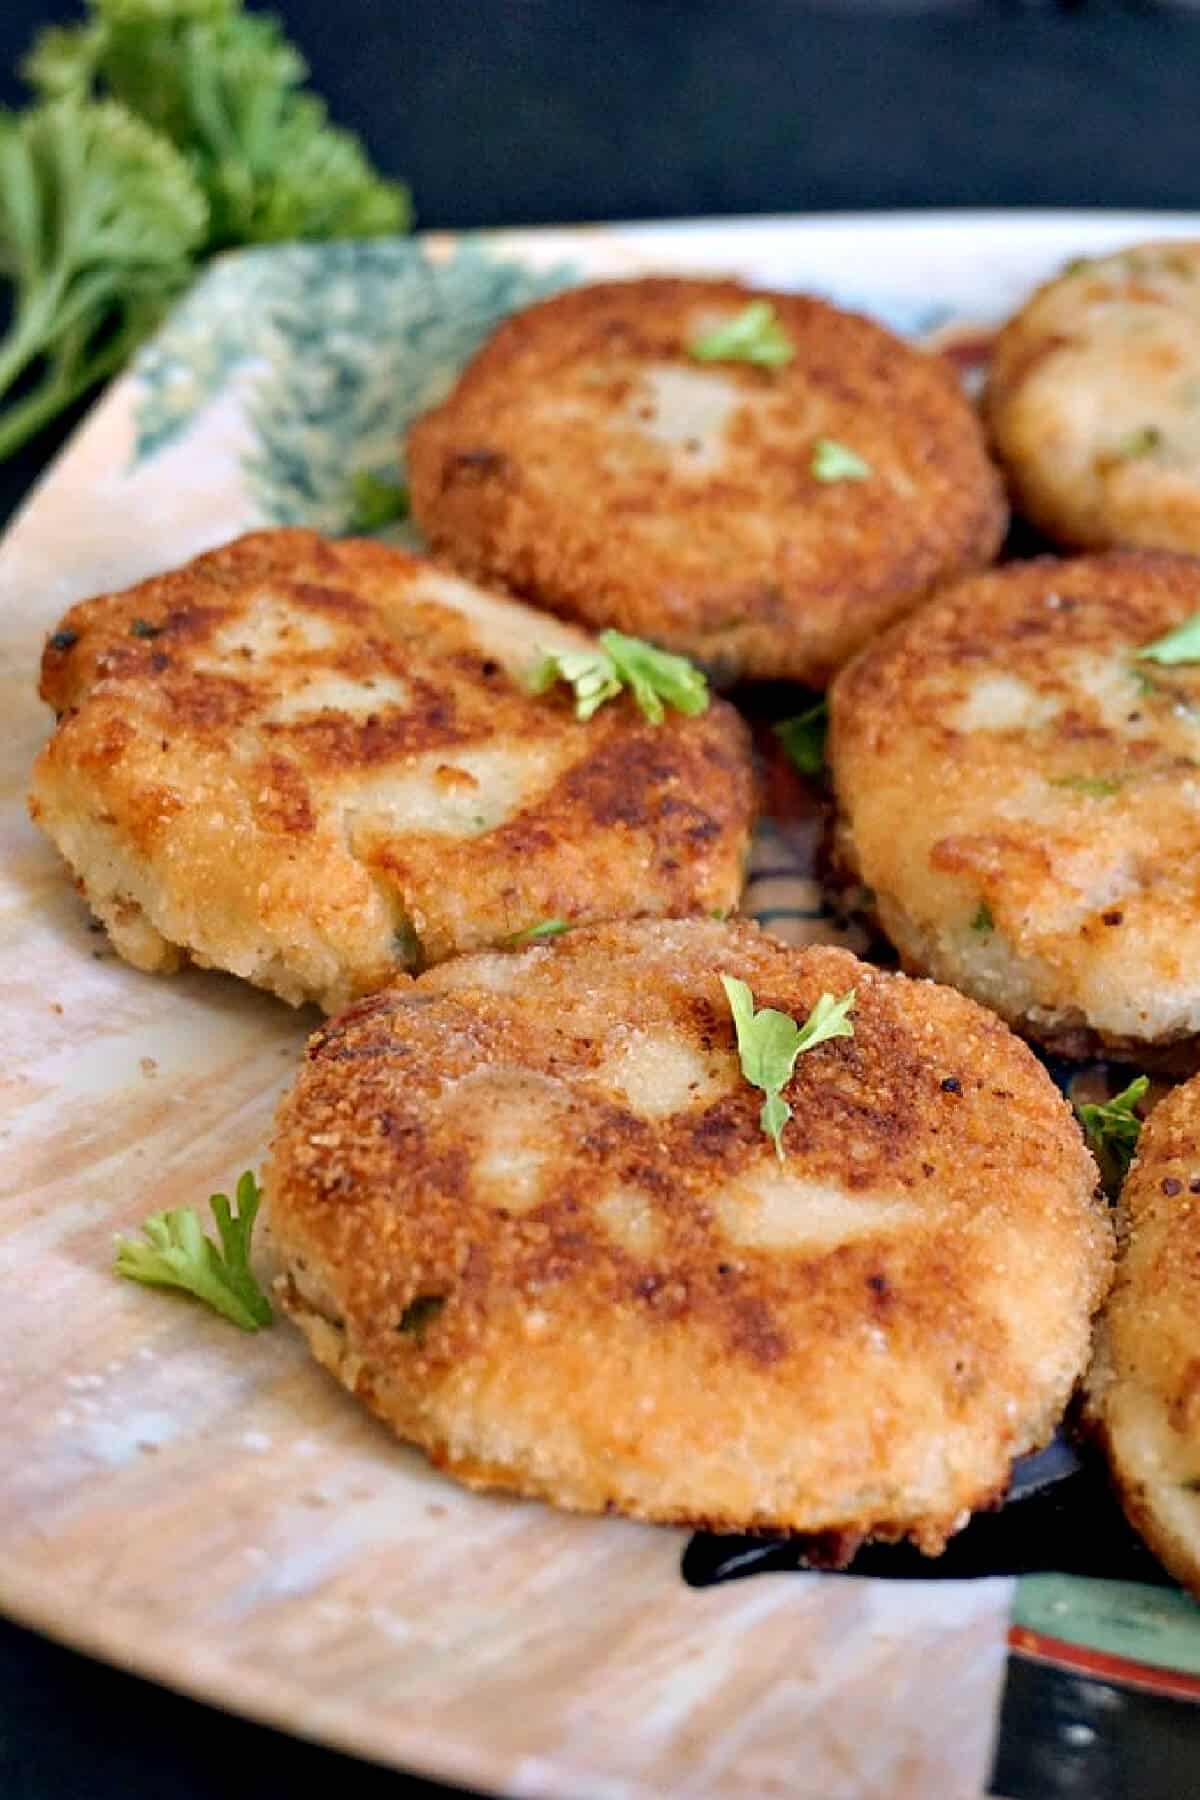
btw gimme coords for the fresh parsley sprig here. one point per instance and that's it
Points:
(99, 221)
(769, 1043)
(225, 86)
(654, 677)
(177, 1253)
(753, 335)
(162, 130)
(1112, 1128)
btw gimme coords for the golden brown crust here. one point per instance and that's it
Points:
(590, 464)
(316, 763)
(1144, 1385)
(1021, 793)
(1093, 400)
(628, 1303)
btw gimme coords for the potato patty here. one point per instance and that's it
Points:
(316, 764)
(587, 461)
(1022, 796)
(1144, 1385)
(528, 1214)
(1093, 400)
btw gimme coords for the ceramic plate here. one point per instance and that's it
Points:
(208, 1508)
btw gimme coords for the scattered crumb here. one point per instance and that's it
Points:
(146, 1064)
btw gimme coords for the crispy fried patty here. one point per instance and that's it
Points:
(316, 764)
(1093, 400)
(587, 461)
(1144, 1386)
(1022, 795)
(529, 1216)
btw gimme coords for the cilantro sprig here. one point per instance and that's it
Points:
(769, 1042)
(1112, 1128)
(654, 677)
(177, 1253)
(753, 335)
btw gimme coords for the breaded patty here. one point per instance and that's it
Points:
(1144, 1385)
(1093, 400)
(316, 764)
(590, 463)
(529, 1215)
(1022, 795)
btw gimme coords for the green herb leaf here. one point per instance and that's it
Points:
(1112, 1128)
(832, 461)
(983, 920)
(753, 336)
(769, 1043)
(592, 673)
(533, 934)
(803, 738)
(1179, 646)
(653, 677)
(165, 129)
(376, 501)
(99, 222)
(177, 1254)
(1143, 442)
(1099, 787)
(225, 87)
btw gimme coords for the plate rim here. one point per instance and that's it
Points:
(113, 1637)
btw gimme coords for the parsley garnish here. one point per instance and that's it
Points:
(983, 920)
(1112, 1128)
(375, 501)
(832, 461)
(803, 738)
(533, 934)
(754, 336)
(1179, 646)
(178, 1254)
(1099, 787)
(598, 674)
(769, 1042)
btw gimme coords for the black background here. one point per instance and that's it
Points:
(531, 111)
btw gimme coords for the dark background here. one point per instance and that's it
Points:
(532, 111)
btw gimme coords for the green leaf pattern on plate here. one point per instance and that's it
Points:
(341, 345)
